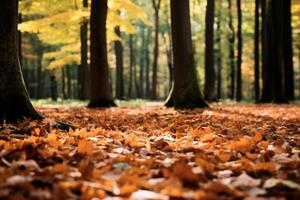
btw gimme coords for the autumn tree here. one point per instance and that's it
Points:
(156, 6)
(119, 65)
(239, 93)
(14, 99)
(275, 60)
(231, 41)
(209, 88)
(256, 51)
(101, 94)
(83, 67)
(186, 91)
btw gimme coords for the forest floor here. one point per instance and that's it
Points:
(151, 152)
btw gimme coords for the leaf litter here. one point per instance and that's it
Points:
(227, 152)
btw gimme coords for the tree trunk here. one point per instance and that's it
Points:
(267, 91)
(40, 85)
(14, 99)
(101, 94)
(231, 39)
(119, 66)
(219, 51)
(209, 88)
(288, 52)
(142, 62)
(69, 89)
(63, 83)
(185, 92)
(83, 68)
(256, 52)
(239, 94)
(277, 54)
(53, 85)
(156, 6)
(130, 66)
(147, 54)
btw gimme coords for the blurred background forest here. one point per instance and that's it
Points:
(55, 47)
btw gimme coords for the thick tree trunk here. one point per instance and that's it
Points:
(101, 94)
(83, 67)
(14, 100)
(231, 40)
(289, 85)
(185, 92)
(256, 52)
(267, 91)
(209, 88)
(277, 54)
(239, 94)
(273, 69)
(156, 6)
(119, 66)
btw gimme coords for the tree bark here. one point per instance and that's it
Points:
(185, 92)
(101, 94)
(148, 88)
(156, 6)
(219, 51)
(210, 78)
(131, 57)
(14, 99)
(289, 85)
(256, 52)
(83, 67)
(239, 94)
(142, 63)
(231, 40)
(119, 66)
(267, 91)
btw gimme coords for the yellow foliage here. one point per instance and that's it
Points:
(57, 22)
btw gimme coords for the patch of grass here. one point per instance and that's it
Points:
(41, 102)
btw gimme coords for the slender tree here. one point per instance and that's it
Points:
(185, 92)
(14, 99)
(101, 94)
(156, 7)
(289, 85)
(83, 68)
(219, 51)
(131, 63)
(209, 88)
(119, 65)
(231, 40)
(256, 52)
(147, 63)
(239, 56)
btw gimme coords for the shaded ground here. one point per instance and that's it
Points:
(150, 152)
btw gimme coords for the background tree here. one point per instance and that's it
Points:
(83, 71)
(156, 7)
(185, 92)
(209, 89)
(239, 94)
(14, 100)
(101, 94)
(119, 65)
